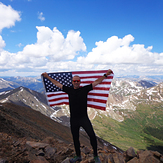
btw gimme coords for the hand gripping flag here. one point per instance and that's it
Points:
(97, 98)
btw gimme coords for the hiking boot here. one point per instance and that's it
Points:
(75, 159)
(97, 160)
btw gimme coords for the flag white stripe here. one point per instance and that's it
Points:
(103, 86)
(93, 79)
(97, 97)
(100, 91)
(98, 86)
(58, 101)
(49, 93)
(89, 74)
(96, 103)
(58, 96)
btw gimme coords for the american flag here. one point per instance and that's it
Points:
(96, 98)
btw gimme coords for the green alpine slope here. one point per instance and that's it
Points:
(141, 129)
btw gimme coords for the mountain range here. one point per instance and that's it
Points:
(133, 116)
(33, 83)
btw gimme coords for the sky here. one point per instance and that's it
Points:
(39, 36)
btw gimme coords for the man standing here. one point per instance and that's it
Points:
(78, 112)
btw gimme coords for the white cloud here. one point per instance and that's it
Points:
(51, 47)
(3, 59)
(67, 66)
(159, 59)
(52, 44)
(8, 16)
(116, 50)
(20, 44)
(40, 16)
(2, 43)
(54, 52)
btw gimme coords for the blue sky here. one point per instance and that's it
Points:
(68, 35)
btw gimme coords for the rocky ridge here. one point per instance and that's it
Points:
(50, 150)
(26, 97)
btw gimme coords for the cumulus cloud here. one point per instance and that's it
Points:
(54, 52)
(159, 59)
(52, 44)
(116, 50)
(3, 59)
(51, 47)
(40, 16)
(8, 16)
(2, 43)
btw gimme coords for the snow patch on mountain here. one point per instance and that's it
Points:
(125, 94)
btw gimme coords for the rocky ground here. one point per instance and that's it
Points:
(50, 150)
(27, 136)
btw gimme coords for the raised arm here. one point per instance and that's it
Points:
(58, 84)
(99, 80)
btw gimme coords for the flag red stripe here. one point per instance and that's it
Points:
(89, 72)
(86, 77)
(96, 107)
(57, 99)
(89, 82)
(61, 103)
(51, 95)
(98, 94)
(96, 88)
(97, 100)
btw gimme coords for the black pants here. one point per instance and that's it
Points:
(85, 123)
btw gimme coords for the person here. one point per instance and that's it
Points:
(78, 112)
